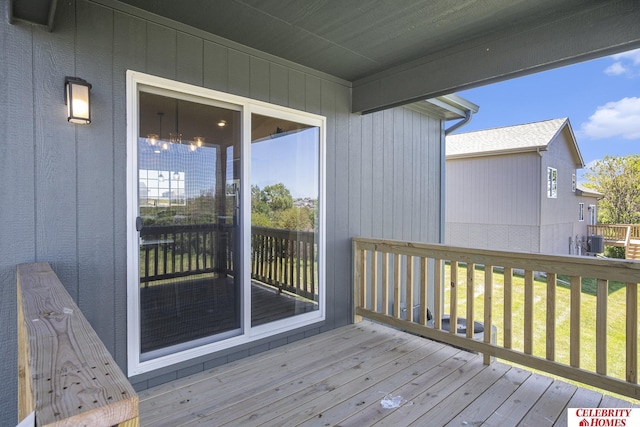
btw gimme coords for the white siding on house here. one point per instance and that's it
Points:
(559, 216)
(492, 201)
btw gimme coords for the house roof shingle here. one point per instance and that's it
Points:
(519, 138)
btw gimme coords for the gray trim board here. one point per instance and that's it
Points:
(605, 28)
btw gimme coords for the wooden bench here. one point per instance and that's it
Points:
(66, 376)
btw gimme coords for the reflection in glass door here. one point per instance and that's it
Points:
(285, 176)
(189, 213)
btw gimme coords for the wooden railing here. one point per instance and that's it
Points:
(170, 251)
(66, 376)
(389, 275)
(285, 259)
(617, 234)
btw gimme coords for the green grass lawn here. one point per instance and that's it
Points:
(615, 319)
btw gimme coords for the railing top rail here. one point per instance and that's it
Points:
(66, 374)
(624, 271)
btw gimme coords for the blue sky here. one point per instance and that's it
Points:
(601, 98)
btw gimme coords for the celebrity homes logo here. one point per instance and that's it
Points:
(603, 417)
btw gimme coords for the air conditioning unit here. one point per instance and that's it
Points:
(596, 244)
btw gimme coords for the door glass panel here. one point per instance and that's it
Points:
(284, 218)
(189, 207)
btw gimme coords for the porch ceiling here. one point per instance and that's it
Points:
(395, 51)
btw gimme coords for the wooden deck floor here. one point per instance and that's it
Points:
(339, 378)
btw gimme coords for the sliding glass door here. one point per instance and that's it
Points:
(188, 224)
(285, 165)
(225, 221)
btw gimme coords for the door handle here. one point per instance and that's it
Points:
(139, 224)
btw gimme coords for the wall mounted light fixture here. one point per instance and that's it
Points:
(76, 97)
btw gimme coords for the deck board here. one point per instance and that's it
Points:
(340, 377)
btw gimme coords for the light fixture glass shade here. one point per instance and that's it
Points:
(152, 139)
(78, 100)
(175, 138)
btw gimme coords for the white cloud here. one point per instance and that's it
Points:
(616, 69)
(626, 63)
(632, 55)
(617, 118)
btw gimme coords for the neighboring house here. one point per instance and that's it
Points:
(514, 188)
(337, 88)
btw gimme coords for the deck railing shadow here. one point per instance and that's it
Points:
(391, 276)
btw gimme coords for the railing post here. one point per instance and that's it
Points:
(397, 274)
(470, 298)
(508, 306)
(488, 309)
(551, 316)
(528, 312)
(409, 289)
(357, 280)
(453, 298)
(385, 282)
(437, 293)
(424, 299)
(601, 326)
(576, 295)
(632, 333)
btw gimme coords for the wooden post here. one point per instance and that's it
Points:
(437, 294)
(551, 316)
(632, 333)
(385, 282)
(488, 309)
(602, 294)
(357, 280)
(470, 298)
(409, 289)
(453, 298)
(397, 274)
(508, 307)
(574, 347)
(374, 280)
(528, 311)
(424, 299)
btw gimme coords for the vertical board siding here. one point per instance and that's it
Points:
(215, 64)
(161, 51)
(260, 80)
(325, 103)
(129, 41)
(239, 73)
(17, 244)
(95, 172)
(68, 203)
(338, 183)
(189, 66)
(55, 150)
(279, 85)
(366, 177)
(296, 90)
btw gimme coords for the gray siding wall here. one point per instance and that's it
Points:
(559, 216)
(493, 202)
(64, 186)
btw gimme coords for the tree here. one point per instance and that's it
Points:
(618, 178)
(278, 197)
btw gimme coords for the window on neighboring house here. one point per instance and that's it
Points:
(552, 183)
(573, 182)
(581, 212)
(593, 218)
